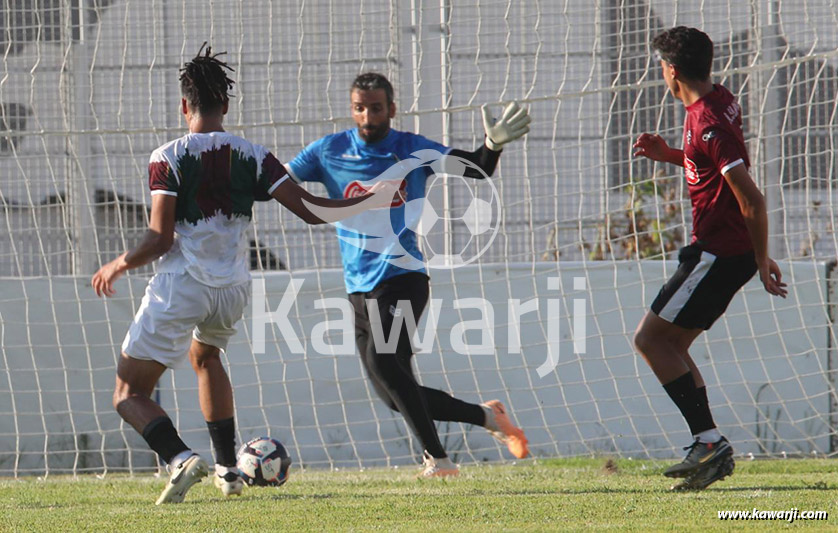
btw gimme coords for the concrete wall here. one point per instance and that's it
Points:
(766, 365)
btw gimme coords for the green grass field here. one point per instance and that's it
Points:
(566, 494)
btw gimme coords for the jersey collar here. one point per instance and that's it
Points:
(383, 144)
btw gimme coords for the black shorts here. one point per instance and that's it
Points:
(702, 287)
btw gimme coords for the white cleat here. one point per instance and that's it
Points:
(231, 484)
(186, 474)
(438, 467)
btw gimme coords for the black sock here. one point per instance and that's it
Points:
(705, 404)
(162, 437)
(692, 403)
(223, 435)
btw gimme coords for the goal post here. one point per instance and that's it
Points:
(585, 234)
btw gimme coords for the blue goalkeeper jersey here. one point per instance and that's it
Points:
(378, 244)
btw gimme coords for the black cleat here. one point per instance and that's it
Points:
(700, 454)
(716, 471)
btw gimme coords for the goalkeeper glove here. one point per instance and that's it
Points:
(512, 124)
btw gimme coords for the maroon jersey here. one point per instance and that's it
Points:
(713, 144)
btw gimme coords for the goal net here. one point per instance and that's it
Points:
(543, 320)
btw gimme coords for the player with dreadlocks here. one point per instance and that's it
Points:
(203, 186)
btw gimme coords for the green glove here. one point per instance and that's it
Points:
(512, 124)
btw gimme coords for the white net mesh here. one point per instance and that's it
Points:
(87, 93)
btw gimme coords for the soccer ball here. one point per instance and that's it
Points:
(263, 462)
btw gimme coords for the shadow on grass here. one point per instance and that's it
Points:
(254, 496)
(35, 506)
(648, 490)
(789, 488)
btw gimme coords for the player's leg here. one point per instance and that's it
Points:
(664, 346)
(442, 406)
(158, 338)
(492, 415)
(135, 381)
(363, 338)
(659, 348)
(391, 377)
(366, 348)
(696, 295)
(402, 393)
(727, 278)
(698, 379)
(215, 393)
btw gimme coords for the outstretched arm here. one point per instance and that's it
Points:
(484, 158)
(156, 241)
(318, 210)
(752, 205)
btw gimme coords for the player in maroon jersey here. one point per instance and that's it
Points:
(729, 244)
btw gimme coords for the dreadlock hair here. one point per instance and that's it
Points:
(204, 82)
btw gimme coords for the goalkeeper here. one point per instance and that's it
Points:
(346, 163)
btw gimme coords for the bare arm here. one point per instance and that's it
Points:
(318, 210)
(156, 241)
(752, 205)
(655, 148)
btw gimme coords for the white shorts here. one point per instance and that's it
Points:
(175, 309)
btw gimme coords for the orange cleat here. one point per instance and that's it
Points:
(502, 428)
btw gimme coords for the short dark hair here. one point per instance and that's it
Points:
(370, 81)
(204, 83)
(688, 49)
